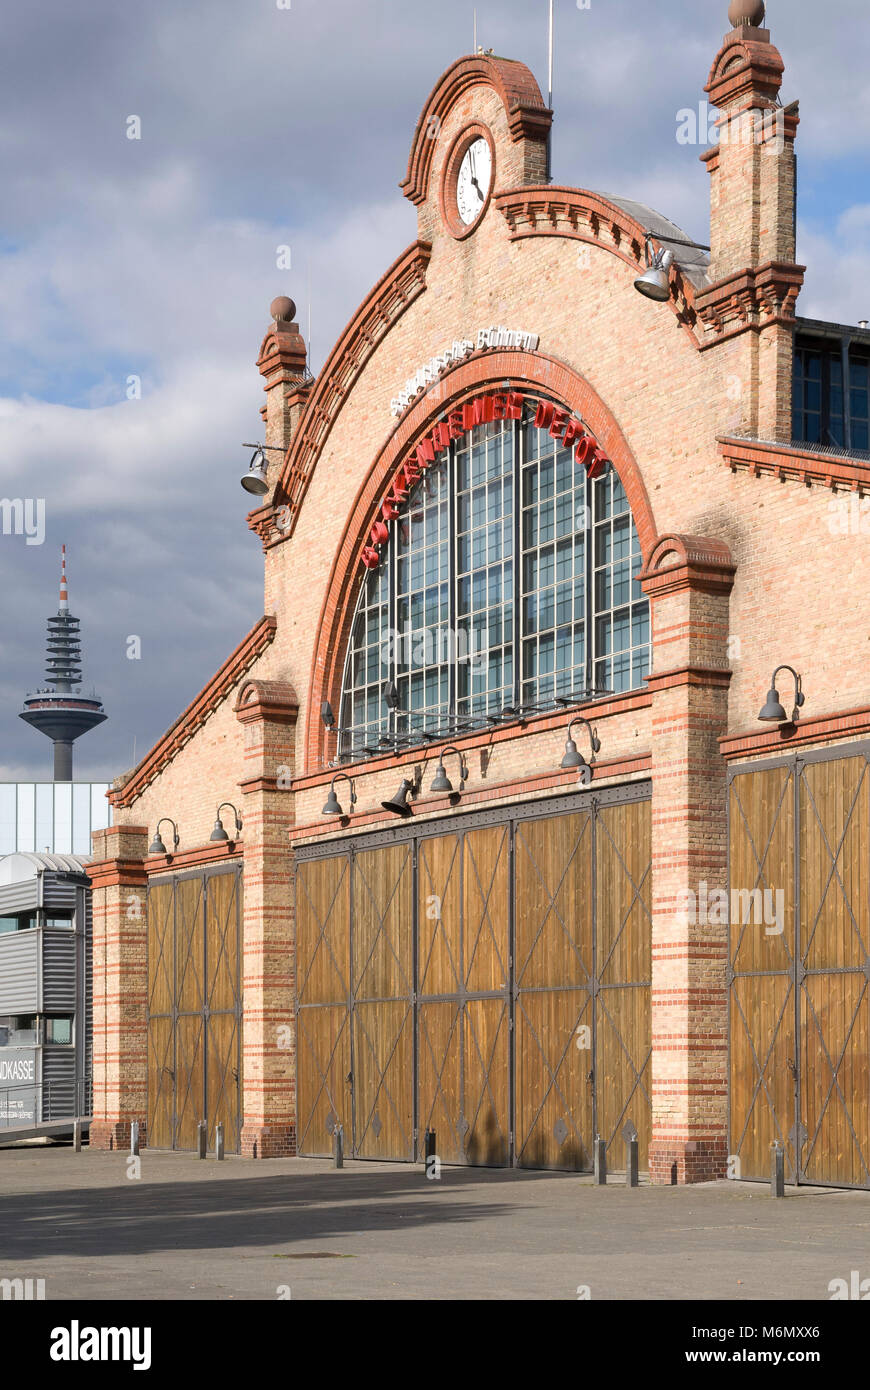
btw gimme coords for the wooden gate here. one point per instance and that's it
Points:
(487, 978)
(194, 1008)
(583, 961)
(799, 844)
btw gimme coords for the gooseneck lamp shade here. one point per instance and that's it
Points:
(399, 803)
(333, 806)
(773, 712)
(441, 782)
(573, 757)
(157, 846)
(655, 282)
(255, 480)
(218, 834)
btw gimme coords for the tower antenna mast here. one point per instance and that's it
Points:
(550, 99)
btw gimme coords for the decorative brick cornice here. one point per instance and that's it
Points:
(113, 873)
(791, 463)
(680, 563)
(404, 282)
(527, 116)
(718, 677)
(578, 215)
(829, 728)
(197, 712)
(283, 356)
(750, 300)
(747, 66)
(274, 702)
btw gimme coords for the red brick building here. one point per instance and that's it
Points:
(518, 495)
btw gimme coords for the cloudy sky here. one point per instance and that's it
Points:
(272, 123)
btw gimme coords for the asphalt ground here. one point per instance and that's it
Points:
(189, 1229)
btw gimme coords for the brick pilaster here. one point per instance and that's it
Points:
(120, 986)
(267, 711)
(688, 580)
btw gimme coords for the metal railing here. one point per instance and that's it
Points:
(40, 1102)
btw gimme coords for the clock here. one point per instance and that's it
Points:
(468, 180)
(473, 181)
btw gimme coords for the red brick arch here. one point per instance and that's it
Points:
(523, 371)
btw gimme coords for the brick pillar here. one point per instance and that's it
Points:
(120, 986)
(688, 580)
(747, 311)
(267, 710)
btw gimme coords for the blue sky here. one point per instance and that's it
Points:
(157, 258)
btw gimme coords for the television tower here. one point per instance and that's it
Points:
(62, 713)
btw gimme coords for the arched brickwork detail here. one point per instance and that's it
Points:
(524, 371)
(526, 113)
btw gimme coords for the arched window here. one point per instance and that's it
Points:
(509, 583)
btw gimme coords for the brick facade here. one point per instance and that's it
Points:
(674, 393)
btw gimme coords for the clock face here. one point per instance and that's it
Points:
(473, 181)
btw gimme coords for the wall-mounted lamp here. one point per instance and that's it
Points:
(333, 805)
(441, 782)
(219, 834)
(391, 695)
(399, 803)
(773, 712)
(573, 757)
(655, 283)
(256, 480)
(157, 846)
(327, 715)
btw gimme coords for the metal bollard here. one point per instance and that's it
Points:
(428, 1146)
(631, 1179)
(338, 1147)
(77, 1137)
(600, 1156)
(219, 1140)
(134, 1138)
(777, 1170)
(201, 1140)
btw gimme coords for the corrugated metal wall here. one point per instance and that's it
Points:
(58, 971)
(19, 972)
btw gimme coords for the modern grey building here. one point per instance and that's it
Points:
(45, 989)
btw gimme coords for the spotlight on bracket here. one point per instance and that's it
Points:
(255, 480)
(399, 803)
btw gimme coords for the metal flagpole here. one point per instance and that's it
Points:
(550, 101)
(474, 50)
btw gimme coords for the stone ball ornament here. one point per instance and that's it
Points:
(746, 12)
(282, 308)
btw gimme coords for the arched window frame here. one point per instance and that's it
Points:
(453, 708)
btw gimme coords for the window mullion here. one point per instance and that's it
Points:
(518, 563)
(452, 586)
(589, 618)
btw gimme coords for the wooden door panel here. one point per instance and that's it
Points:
(382, 1003)
(222, 940)
(439, 1085)
(161, 1082)
(439, 916)
(486, 910)
(189, 945)
(224, 1079)
(485, 1119)
(554, 1118)
(323, 931)
(189, 1079)
(323, 1093)
(383, 1074)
